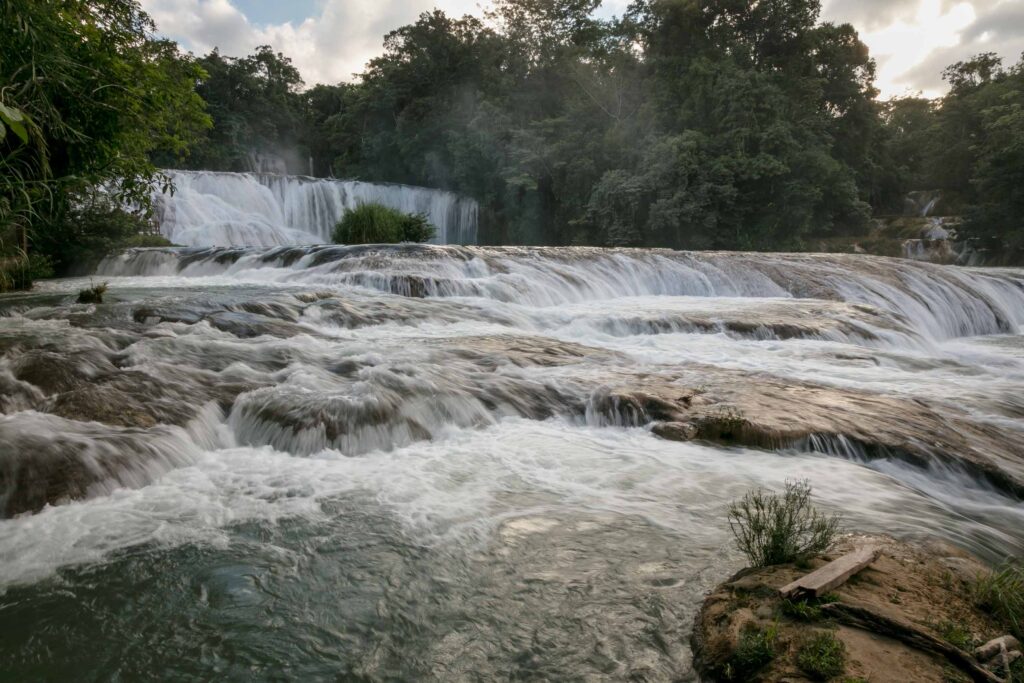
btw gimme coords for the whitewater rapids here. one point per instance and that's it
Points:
(468, 463)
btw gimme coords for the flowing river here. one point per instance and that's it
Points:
(469, 463)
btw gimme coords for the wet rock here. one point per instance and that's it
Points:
(248, 325)
(54, 372)
(45, 459)
(130, 398)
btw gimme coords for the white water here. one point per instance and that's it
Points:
(226, 209)
(426, 488)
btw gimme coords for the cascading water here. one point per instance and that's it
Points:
(228, 209)
(441, 463)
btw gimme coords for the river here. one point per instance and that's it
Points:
(444, 463)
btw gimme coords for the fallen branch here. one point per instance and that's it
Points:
(865, 619)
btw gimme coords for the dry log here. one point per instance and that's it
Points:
(833, 574)
(905, 632)
(994, 646)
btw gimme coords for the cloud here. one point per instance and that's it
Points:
(912, 40)
(327, 48)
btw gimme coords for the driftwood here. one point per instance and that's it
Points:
(995, 646)
(833, 574)
(865, 619)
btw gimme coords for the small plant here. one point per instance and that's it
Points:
(773, 528)
(756, 649)
(801, 610)
(1001, 594)
(92, 295)
(822, 657)
(378, 224)
(956, 634)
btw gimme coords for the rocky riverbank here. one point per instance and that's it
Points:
(911, 616)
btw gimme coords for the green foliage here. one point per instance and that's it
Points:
(87, 94)
(720, 125)
(747, 125)
(256, 108)
(90, 229)
(802, 610)
(756, 649)
(1001, 594)
(373, 223)
(956, 634)
(822, 657)
(93, 294)
(20, 271)
(775, 528)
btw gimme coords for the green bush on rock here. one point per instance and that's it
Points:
(373, 223)
(773, 528)
(92, 295)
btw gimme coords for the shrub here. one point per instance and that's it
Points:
(378, 224)
(801, 610)
(90, 230)
(92, 295)
(774, 529)
(822, 657)
(1001, 594)
(755, 650)
(19, 271)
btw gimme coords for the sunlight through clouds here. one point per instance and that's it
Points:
(902, 45)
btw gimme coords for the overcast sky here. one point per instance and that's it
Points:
(330, 40)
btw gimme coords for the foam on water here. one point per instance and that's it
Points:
(459, 489)
(339, 457)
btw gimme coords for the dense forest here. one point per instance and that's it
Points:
(721, 124)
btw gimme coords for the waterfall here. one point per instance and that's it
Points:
(939, 302)
(234, 209)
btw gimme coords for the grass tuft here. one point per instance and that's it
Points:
(956, 634)
(822, 657)
(756, 649)
(1001, 594)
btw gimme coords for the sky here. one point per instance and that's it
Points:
(331, 40)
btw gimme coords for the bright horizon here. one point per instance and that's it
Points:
(912, 41)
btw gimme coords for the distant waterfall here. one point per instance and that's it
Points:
(246, 209)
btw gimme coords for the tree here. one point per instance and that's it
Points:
(256, 107)
(88, 93)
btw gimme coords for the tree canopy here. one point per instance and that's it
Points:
(87, 93)
(719, 124)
